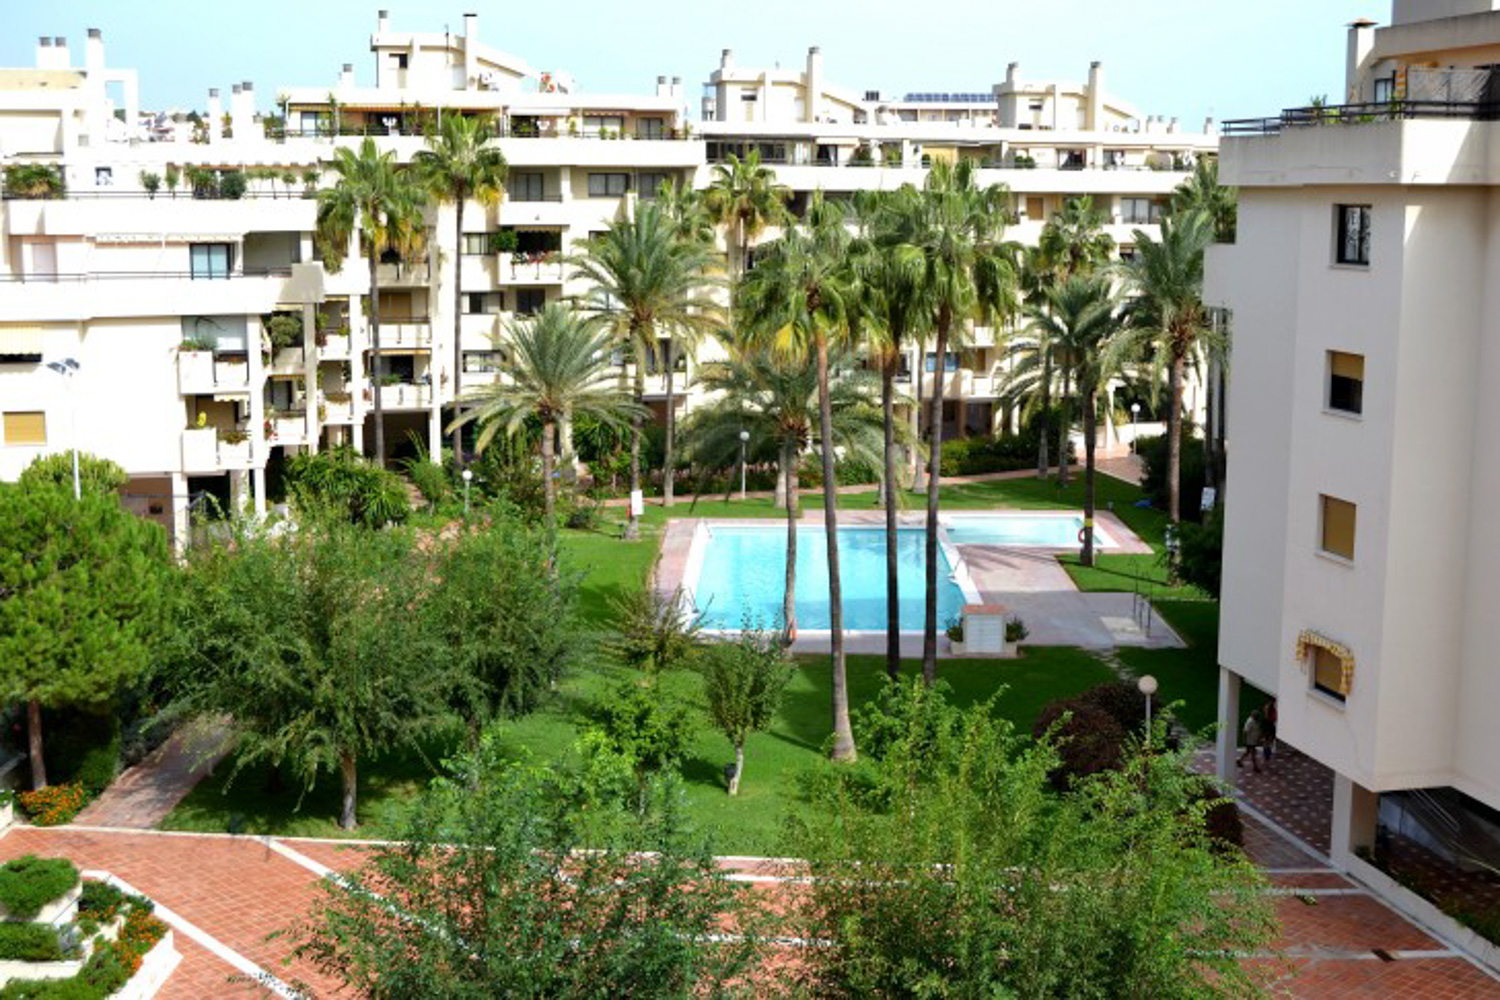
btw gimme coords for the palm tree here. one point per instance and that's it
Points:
(1037, 277)
(775, 401)
(685, 207)
(1202, 192)
(1072, 242)
(458, 165)
(644, 282)
(556, 367)
(1080, 318)
(964, 273)
(374, 197)
(745, 198)
(794, 302)
(1168, 319)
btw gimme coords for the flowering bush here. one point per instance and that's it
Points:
(55, 804)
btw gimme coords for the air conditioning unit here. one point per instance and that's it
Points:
(489, 80)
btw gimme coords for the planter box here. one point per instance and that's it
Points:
(335, 345)
(290, 429)
(156, 966)
(7, 816)
(231, 375)
(200, 449)
(195, 372)
(338, 413)
(234, 456)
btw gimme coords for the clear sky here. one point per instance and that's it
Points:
(1184, 58)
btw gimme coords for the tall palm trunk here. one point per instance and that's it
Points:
(918, 481)
(666, 480)
(1042, 465)
(633, 524)
(458, 328)
(1090, 428)
(892, 565)
(1064, 424)
(789, 596)
(349, 778)
(1174, 439)
(549, 488)
(379, 360)
(934, 485)
(34, 744)
(843, 732)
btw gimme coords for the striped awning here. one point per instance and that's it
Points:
(21, 341)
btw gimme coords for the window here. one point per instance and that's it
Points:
(483, 361)
(528, 186)
(950, 365)
(608, 185)
(211, 260)
(1337, 527)
(480, 303)
(1346, 382)
(1114, 159)
(1073, 159)
(1385, 90)
(104, 176)
(649, 183)
(650, 128)
(1352, 237)
(400, 60)
(476, 244)
(1139, 211)
(529, 301)
(1327, 672)
(28, 428)
(1036, 209)
(595, 124)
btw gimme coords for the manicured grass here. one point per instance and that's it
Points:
(1189, 675)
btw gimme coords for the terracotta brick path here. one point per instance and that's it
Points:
(142, 797)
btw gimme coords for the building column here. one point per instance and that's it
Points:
(180, 514)
(236, 492)
(313, 398)
(258, 487)
(1227, 739)
(435, 429)
(1356, 810)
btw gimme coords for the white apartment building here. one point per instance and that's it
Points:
(167, 301)
(1360, 572)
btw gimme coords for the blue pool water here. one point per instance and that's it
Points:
(744, 577)
(1051, 532)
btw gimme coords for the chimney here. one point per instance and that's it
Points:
(677, 88)
(93, 52)
(662, 89)
(215, 113)
(244, 120)
(1094, 117)
(1012, 75)
(44, 52)
(1361, 44)
(382, 22)
(1209, 126)
(471, 50)
(812, 97)
(60, 57)
(726, 59)
(346, 76)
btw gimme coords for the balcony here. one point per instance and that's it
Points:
(287, 427)
(336, 408)
(200, 373)
(521, 269)
(405, 333)
(333, 346)
(402, 396)
(214, 449)
(288, 361)
(419, 273)
(956, 383)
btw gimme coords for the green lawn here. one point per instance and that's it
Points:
(609, 566)
(1189, 675)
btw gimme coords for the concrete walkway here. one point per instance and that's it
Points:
(142, 797)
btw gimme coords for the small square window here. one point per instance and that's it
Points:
(1327, 673)
(1352, 235)
(476, 244)
(25, 428)
(1346, 382)
(608, 185)
(400, 60)
(1336, 530)
(530, 301)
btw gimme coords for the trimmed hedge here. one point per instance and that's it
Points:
(29, 883)
(107, 970)
(29, 943)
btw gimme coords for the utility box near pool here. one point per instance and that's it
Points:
(984, 630)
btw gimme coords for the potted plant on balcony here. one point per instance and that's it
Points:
(956, 634)
(150, 182)
(195, 362)
(234, 446)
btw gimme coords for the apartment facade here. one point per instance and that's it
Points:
(1360, 573)
(211, 340)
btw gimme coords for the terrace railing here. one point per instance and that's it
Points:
(1364, 114)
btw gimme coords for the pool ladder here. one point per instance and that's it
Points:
(1140, 606)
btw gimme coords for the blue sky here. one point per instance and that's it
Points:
(1185, 58)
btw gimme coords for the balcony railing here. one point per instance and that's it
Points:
(60, 277)
(1364, 114)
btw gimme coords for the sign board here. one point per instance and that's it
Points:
(1210, 496)
(637, 503)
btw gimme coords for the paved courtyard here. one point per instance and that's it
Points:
(225, 895)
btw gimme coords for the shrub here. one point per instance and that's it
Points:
(95, 475)
(83, 746)
(29, 883)
(1121, 701)
(1200, 552)
(151, 182)
(636, 723)
(284, 330)
(100, 901)
(1088, 741)
(430, 479)
(29, 943)
(344, 484)
(34, 180)
(1153, 452)
(232, 185)
(1222, 821)
(53, 805)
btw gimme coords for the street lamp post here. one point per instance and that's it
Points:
(67, 368)
(1147, 686)
(744, 441)
(1135, 414)
(468, 475)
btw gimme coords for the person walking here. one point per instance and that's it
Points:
(1268, 732)
(1254, 734)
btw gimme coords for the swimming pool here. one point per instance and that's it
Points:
(1040, 530)
(741, 576)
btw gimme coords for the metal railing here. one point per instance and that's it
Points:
(1364, 114)
(84, 276)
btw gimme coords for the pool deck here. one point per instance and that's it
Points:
(1029, 582)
